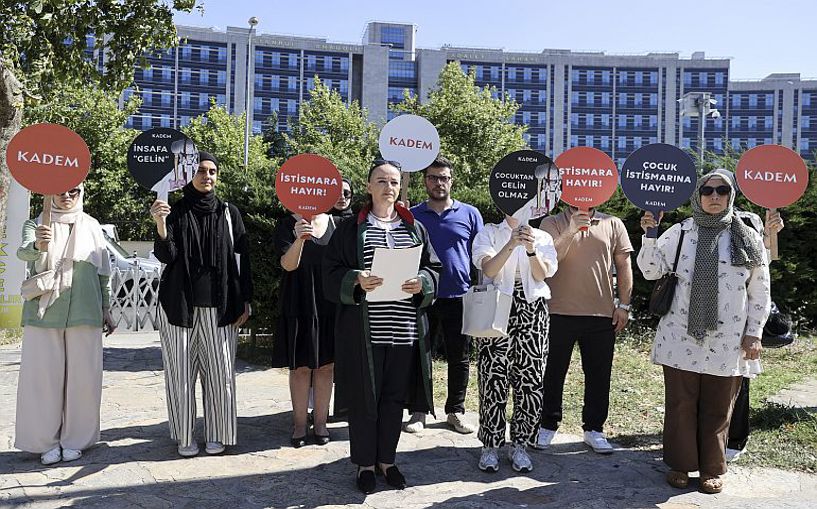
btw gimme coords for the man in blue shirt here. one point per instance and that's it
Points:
(452, 226)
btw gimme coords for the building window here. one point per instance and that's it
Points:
(147, 96)
(166, 99)
(769, 101)
(494, 72)
(622, 120)
(590, 120)
(276, 59)
(653, 120)
(292, 106)
(147, 74)
(404, 70)
(685, 142)
(605, 77)
(327, 63)
(753, 100)
(622, 142)
(293, 60)
(222, 77)
(187, 51)
(186, 73)
(165, 121)
(292, 83)
(653, 77)
(639, 77)
(805, 122)
(591, 98)
(735, 122)
(768, 123)
(804, 144)
(393, 35)
(574, 76)
(259, 57)
(622, 77)
(622, 99)
(605, 142)
(204, 76)
(574, 98)
(222, 54)
(574, 120)
(605, 120)
(311, 62)
(605, 98)
(344, 63)
(719, 78)
(574, 141)
(752, 122)
(687, 78)
(653, 99)
(735, 101)
(806, 99)
(185, 99)
(736, 143)
(702, 79)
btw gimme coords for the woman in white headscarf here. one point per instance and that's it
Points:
(60, 385)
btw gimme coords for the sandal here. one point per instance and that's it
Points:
(711, 484)
(677, 479)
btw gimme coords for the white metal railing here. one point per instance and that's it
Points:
(135, 298)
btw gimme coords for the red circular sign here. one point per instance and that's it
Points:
(589, 177)
(308, 185)
(772, 176)
(48, 158)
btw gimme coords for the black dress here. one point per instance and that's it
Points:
(305, 330)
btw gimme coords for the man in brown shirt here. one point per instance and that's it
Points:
(583, 309)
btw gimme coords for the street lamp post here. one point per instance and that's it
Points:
(253, 21)
(701, 105)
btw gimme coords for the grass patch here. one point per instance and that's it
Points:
(11, 336)
(781, 437)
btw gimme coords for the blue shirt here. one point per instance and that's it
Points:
(452, 234)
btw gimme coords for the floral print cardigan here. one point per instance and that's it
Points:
(743, 302)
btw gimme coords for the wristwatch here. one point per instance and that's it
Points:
(625, 307)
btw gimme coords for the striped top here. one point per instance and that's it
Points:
(394, 322)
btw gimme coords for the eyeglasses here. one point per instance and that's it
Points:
(721, 190)
(442, 179)
(347, 194)
(73, 193)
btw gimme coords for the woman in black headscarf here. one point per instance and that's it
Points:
(343, 207)
(204, 298)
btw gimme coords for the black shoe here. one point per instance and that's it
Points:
(298, 442)
(322, 439)
(394, 478)
(366, 481)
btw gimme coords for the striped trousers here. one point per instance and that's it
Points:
(207, 350)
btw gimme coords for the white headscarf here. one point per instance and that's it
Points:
(82, 243)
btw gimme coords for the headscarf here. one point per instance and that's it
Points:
(76, 237)
(343, 213)
(744, 248)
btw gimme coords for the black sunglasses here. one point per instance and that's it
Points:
(73, 193)
(721, 190)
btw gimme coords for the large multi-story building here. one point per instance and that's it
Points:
(614, 103)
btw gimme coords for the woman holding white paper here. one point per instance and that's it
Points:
(517, 259)
(60, 386)
(382, 362)
(710, 337)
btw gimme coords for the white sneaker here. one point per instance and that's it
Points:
(214, 448)
(71, 454)
(416, 423)
(520, 461)
(51, 457)
(188, 451)
(598, 442)
(733, 454)
(460, 425)
(489, 460)
(544, 438)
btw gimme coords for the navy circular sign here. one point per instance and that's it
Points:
(658, 177)
(525, 184)
(163, 160)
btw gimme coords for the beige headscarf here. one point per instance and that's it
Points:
(84, 242)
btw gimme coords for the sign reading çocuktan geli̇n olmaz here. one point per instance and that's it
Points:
(525, 184)
(411, 140)
(308, 184)
(48, 158)
(163, 160)
(658, 178)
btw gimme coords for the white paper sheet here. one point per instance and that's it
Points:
(395, 266)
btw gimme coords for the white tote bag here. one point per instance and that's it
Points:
(485, 312)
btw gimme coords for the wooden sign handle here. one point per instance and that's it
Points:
(773, 241)
(405, 180)
(583, 228)
(47, 200)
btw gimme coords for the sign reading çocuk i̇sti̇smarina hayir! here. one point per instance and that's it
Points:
(163, 160)
(411, 140)
(772, 176)
(589, 177)
(48, 158)
(308, 184)
(658, 178)
(525, 184)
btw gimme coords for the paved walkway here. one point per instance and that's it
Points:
(135, 464)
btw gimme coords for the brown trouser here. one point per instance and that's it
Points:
(696, 423)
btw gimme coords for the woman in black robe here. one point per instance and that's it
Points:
(382, 363)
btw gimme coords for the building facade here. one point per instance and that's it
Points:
(614, 103)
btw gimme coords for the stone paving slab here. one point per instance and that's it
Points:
(136, 466)
(801, 395)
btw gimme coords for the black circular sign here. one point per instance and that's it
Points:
(525, 184)
(163, 159)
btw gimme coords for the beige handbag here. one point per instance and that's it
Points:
(37, 285)
(485, 312)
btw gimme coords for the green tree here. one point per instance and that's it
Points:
(342, 133)
(43, 47)
(111, 194)
(476, 130)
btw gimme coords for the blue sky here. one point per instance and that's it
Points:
(761, 37)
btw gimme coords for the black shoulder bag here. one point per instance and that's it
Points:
(664, 289)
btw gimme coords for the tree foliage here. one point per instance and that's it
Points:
(338, 131)
(112, 196)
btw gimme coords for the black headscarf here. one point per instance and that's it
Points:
(204, 231)
(343, 213)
